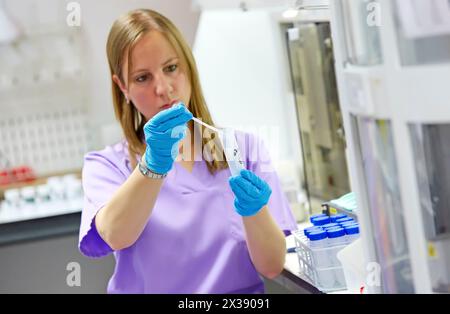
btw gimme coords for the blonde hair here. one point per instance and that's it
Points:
(124, 34)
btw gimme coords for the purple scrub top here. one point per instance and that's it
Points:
(194, 241)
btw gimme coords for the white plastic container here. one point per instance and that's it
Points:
(352, 233)
(232, 151)
(28, 194)
(43, 193)
(352, 260)
(57, 188)
(318, 240)
(336, 239)
(315, 264)
(74, 189)
(12, 198)
(336, 236)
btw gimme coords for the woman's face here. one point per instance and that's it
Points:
(157, 80)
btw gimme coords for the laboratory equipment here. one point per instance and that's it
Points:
(47, 127)
(344, 204)
(333, 218)
(73, 188)
(12, 197)
(349, 224)
(232, 151)
(312, 217)
(230, 147)
(56, 188)
(28, 194)
(60, 195)
(353, 264)
(336, 237)
(330, 225)
(320, 221)
(206, 125)
(345, 219)
(317, 240)
(307, 231)
(319, 117)
(352, 232)
(331, 208)
(317, 259)
(396, 116)
(43, 193)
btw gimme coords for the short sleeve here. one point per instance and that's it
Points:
(259, 161)
(102, 176)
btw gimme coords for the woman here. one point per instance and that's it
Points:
(173, 223)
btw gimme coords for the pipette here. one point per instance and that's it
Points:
(206, 125)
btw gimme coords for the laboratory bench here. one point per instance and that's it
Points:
(40, 227)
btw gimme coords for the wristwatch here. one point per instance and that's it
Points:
(147, 172)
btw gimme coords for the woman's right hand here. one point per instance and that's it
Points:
(162, 134)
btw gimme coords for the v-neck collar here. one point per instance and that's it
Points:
(189, 182)
(180, 167)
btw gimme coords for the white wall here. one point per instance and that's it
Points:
(245, 79)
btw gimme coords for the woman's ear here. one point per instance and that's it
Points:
(117, 80)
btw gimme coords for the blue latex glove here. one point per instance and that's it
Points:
(162, 134)
(252, 193)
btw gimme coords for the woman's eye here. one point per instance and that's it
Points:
(172, 68)
(141, 78)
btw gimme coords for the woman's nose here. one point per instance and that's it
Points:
(162, 86)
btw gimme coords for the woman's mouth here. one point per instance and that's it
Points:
(167, 106)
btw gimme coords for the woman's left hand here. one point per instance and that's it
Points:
(252, 193)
